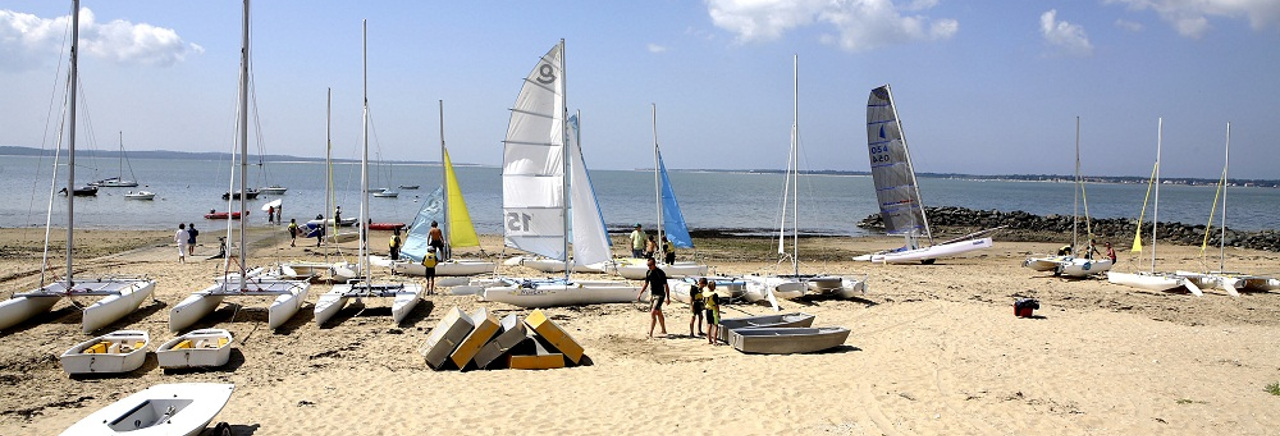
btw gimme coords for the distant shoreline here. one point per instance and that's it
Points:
(10, 150)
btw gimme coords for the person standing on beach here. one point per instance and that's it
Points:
(1111, 253)
(337, 215)
(191, 238)
(394, 244)
(637, 242)
(656, 282)
(181, 237)
(670, 257)
(271, 214)
(695, 303)
(435, 238)
(650, 248)
(711, 300)
(429, 261)
(293, 232)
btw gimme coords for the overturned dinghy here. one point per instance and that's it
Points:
(179, 409)
(113, 353)
(197, 349)
(797, 319)
(787, 340)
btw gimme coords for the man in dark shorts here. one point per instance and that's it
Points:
(656, 282)
(429, 261)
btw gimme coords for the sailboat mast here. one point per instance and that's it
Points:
(444, 176)
(657, 180)
(244, 137)
(71, 136)
(1222, 240)
(1075, 211)
(1155, 217)
(121, 156)
(795, 164)
(364, 156)
(328, 166)
(915, 183)
(564, 158)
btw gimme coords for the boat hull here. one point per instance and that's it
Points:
(18, 309)
(451, 267)
(1081, 268)
(552, 293)
(635, 269)
(931, 253)
(1153, 282)
(191, 309)
(181, 409)
(787, 340)
(557, 266)
(202, 348)
(113, 353)
(1048, 263)
(797, 319)
(113, 307)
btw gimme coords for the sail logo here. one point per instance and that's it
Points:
(546, 74)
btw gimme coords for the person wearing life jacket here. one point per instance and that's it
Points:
(1065, 250)
(711, 301)
(429, 261)
(394, 244)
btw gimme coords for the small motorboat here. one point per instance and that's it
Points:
(409, 187)
(83, 191)
(387, 193)
(140, 195)
(199, 348)
(113, 353)
(249, 194)
(183, 409)
(273, 190)
(787, 340)
(212, 215)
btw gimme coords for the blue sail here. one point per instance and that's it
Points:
(672, 218)
(415, 245)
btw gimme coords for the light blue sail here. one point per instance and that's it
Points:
(672, 218)
(415, 245)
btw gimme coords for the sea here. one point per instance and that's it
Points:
(741, 202)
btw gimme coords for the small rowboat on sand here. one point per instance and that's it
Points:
(183, 409)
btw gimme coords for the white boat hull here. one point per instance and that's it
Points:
(191, 309)
(182, 409)
(1046, 263)
(1080, 268)
(551, 293)
(635, 269)
(121, 351)
(557, 266)
(332, 302)
(289, 296)
(143, 195)
(931, 253)
(285, 306)
(681, 288)
(787, 340)
(18, 309)
(1153, 282)
(110, 309)
(203, 348)
(451, 267)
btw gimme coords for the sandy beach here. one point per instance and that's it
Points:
(933, 350)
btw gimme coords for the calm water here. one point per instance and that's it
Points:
(188, 189)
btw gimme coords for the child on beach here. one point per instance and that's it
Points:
(695, 303)
(711, 300)
(429, 261)
(293, 232)
(191, 238)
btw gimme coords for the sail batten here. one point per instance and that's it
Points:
(896, 191)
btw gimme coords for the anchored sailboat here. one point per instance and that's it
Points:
(121, 295)
(289, 294)
(1072, 265)
(449, 210)
(120, 181)
(542, 173)
(1151, 279)
(897, 191)
(794, 285)
(406, 295)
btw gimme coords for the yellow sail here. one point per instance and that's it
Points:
(461, 232)
(1137, 236)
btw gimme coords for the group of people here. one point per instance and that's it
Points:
(186, 239)
(704, 303)
(1068, 250)
(646, 247)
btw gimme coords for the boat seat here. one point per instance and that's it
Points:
(97, 348)
(186, 343)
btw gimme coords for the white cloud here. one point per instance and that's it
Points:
(27, 41)
(859, 24)
(1190, 18)
(1129, 25)
(1066, 37)
(655, 48)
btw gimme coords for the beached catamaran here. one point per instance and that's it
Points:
(1231, 282)
(447, 207)
(898, 193)
(405, 295)
(121, 295)
(289, 294)
(670, 221)
(1150, 279)
(1071, 265)
(761, 287)
(542, 172)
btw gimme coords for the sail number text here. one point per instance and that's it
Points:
(518, 222)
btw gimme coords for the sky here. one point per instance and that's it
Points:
(982, 87)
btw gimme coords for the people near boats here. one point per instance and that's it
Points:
(337, 215)
(656, 282)
(435, 239)
(1065, 250)
(711, 300)
(222, 248)
(650, 247)
(394, 244)
(695, 303)
(280, 214)
(181, 237)
(670, 257)
(191, 238)
(637, 242)
(293, 232)
(320, 231)
(1111, 254)
(1093, 249)
(271, 214)
(429, 261)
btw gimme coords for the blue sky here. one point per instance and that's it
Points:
(982, 87)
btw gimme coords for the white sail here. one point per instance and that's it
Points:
(533, 174)
(590, 239)
(895, 179)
